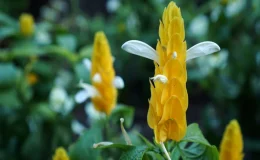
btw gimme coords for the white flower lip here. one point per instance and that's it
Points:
(92, 91)
(118, 82)
(202, 49)
(81, 96)
(141, 49)
(144, 50)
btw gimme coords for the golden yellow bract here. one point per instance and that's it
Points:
(102, 65)
(26, 24)
(60, 154)
(231, 147)
(169, 101)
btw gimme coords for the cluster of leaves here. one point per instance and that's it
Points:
(192, 146)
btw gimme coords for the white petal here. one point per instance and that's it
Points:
(202, 49)
(91, 91)
(81, 96)
(97, 78)
(160, 78)
(119, 82)
(141, 49)
(77, 127)
(100, 144)
(87, 63)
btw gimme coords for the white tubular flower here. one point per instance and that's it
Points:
(119, 82)
(97, 78)
(81, 96)
(88, 91)
(160, 78)
(144, 50)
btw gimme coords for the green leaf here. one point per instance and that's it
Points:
(86, 51)
(194, 134)
(145, 140)
(122, 111)
(8, 75)
(150, 155)
(9, 98)
(83, 149)
(135, 153)
(175, 154)
(6, 32)
(67, 41)
(199, 151)
(124, 147)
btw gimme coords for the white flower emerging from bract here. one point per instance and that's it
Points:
(144, 50)
(118, 82)
(160, 78)
(97, 78)
(88, 91)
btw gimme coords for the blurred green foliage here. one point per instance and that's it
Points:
(36, 118)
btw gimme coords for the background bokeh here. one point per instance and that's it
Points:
(37, 116)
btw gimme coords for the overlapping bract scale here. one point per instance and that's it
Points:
(102, 64)
(169, 101)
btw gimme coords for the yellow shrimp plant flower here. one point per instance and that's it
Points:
(169, 98)
(60, 154)
(103, 91)
(231, 147)
(26, 24)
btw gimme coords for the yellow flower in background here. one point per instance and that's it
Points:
(26, 24)
(169, 98)
(103, 71)
(231, 147)
(32, 78)
(60, 154)
(103, 91)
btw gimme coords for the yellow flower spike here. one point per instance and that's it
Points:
(60, 154)
(169, 98)
(231, 147)
(103, 75)
(32, 78)
(26, 24)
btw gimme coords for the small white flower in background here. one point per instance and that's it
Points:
(77, 127)
(42, 37)
(58, 96)
(87, 63)
(119, 82)
(113, 5)
(235, 7)
(215, 13)
(132, 22)
(199, 26)
(59, 5)
(218, 60)
(89, 91)
(60, 102)
(92, 113)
